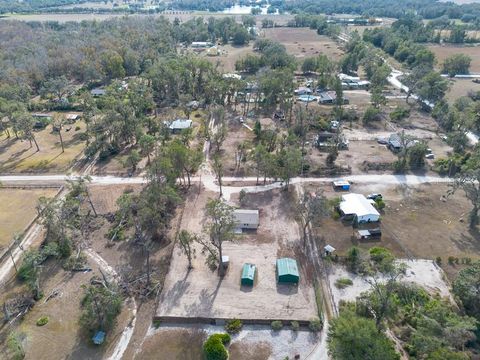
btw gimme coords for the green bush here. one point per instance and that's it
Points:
(233, 326)
(277, 325)
(380, 204)
(14, 344)
(399, 113)
(214, 347)
(342, 283)
(295, 325)
(42, 321)
(156, 323)
(315, 325)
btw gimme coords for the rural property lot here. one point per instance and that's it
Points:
(443, 224)
(421, 272)
(200, 293)
(444, 51)
(461, 87)
(18, 156)
(302, 43)
(17, 210)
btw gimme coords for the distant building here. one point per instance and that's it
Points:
(329, 97)
(201, 45)
(180, 124)
(72, 117)
(246, 219)
(353, 82)
(98, 92)
(359, 208)
(303, 91)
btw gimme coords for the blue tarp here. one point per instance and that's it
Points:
(99, 338)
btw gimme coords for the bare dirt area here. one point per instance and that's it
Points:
(17, 210)
(237, 134)
(302, 42)
(443, 223)
(461, 87)
(19, 156)
(444, 51)
(200, 293)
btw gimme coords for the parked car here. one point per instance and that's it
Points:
(430, 156)
(374, 196)
(382, 141)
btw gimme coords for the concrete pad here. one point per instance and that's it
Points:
(200, 295)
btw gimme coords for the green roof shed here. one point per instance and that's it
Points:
(287, 271)
(248, 274)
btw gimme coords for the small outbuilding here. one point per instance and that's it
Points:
(358, 207)
(246, 219)
(248, 274)
(341, 185)
(180, 124)
(328, 250)
(98, 92)
(287, 271)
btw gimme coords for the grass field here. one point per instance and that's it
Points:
(17, 209)
(18, 156)
(302, 42)
(444, 51)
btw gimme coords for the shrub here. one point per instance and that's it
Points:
(451, 259)
(342, 283)
(214, 347)
(77, 128)
(438, 260)
(380, 204)
(315, 325)
(14, 344)
(295, 325)
(399, 113)
(156, 323)
(233, 326)
(371, 114)
(42, 321)
(277, 325)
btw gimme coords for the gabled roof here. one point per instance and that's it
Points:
(357, 204)
(248, 271)
(180, 124)
(287, 266)
(244, 216)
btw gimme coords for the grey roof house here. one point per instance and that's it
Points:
(179, 125)
(246, 219)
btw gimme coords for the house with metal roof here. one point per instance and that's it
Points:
(248, 274)
(246, 219)
(287, 271)
(329, 97)
(179, 125)
(98, 92)
(359, 208)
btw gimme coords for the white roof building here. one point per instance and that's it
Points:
(180, 124)
(359, 206)
(246, 219)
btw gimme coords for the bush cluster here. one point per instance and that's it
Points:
(214, 347)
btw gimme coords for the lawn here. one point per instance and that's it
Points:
(17, 209)
(18, 156)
